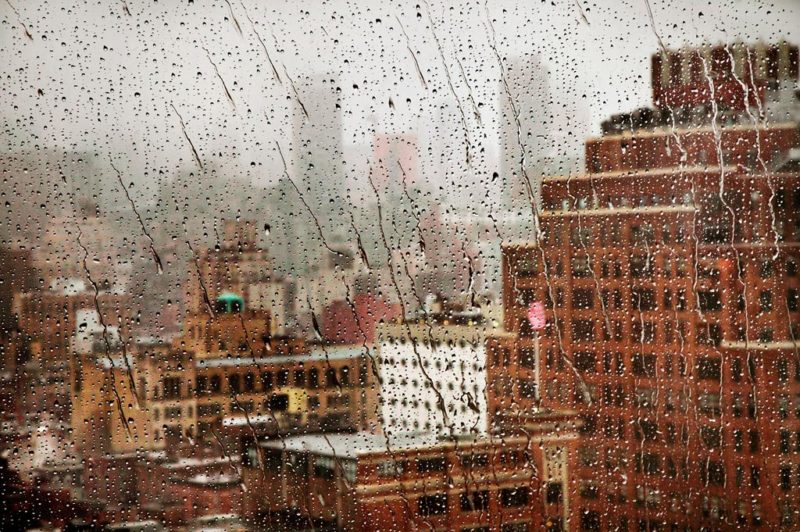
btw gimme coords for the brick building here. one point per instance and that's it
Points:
(220, 370)
(668, 277)
(442, 464)
(345, 323)
(362, 481)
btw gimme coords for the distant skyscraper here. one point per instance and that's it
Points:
(317, 165)
(528, 83)
(317, 137)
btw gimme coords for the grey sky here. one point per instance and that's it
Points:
(108, 78)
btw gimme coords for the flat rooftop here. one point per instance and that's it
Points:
(338, 445)
(317, 354)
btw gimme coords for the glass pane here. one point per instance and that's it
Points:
(364, 265)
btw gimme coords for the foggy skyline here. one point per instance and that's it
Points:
(108, 80)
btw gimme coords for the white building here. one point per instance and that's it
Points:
(424, 364)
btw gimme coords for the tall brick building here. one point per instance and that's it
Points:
(668, 277)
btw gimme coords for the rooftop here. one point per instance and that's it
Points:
(340, 445)
(318, 354)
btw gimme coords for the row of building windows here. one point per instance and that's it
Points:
(645, 331)
(276, 402)
(645, 365)
(172, 387)
(439, 464)
(641, 266)
(437, 504)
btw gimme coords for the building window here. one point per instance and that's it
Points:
(554, 493)
(249, 382)
(590, 521)
(283, 378)
(216, 384)
(390, 468)
(644, 365)
(266, 380)
(432, 504)
(709, 368)
(514, 497)
(431, 465)
(582, 330)
(234, 383)
(709, 300)
(585, 361)
(765, 300)
(793, 299)
(201, 385)
(582, 298)
(581, 267)
(172, 387)
(474, 501)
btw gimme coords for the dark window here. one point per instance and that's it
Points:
(525, 266)
(582, 298)
(527, 388)
(249, 382)
(765, 300)
(766, 268)
(474, 460)
(712, 472)
(283, 377)
(216, 384)
(785, 442)
(514, 497)
(590, 521)
(709, 368)
(429, 465)
(709, 300)
(711, 436)
(273, 459)
(585, 361)
(791, 268)
(644, 365)
(234, 383)
(432, 504)
(786, 478)
(266, 380)
(793, 299)
(527, 357)
(643, 299)
(554, 493)
(330, 378)
(754, 441)
(278, 402)
(201, 385)
(474, 500)
(582, 330)
(172, 387)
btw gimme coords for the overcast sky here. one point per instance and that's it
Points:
(108, 79)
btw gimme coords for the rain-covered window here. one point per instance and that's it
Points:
(365, 265)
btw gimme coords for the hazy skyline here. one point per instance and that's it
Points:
(109, 79)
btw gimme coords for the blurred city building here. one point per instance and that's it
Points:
(661, 302)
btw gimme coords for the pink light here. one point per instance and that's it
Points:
(536, 316)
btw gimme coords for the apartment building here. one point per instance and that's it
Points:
(660, 300)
